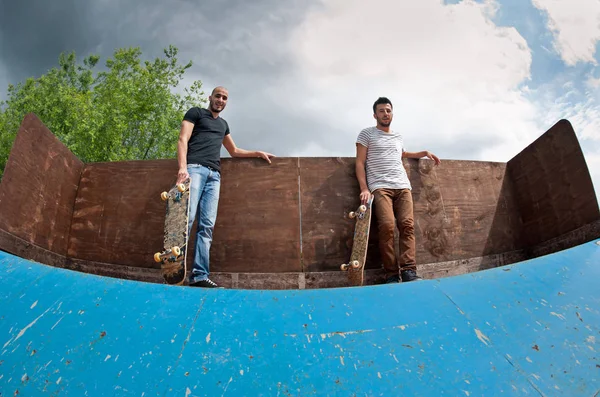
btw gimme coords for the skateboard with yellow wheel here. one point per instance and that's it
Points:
(356, 266)
(173, 256)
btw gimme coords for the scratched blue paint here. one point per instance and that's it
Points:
(526, 329)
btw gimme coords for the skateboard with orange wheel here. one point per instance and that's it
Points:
(173, 256)
(356, 266)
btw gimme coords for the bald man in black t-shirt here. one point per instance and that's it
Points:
(203, 132)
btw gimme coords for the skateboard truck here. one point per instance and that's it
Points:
(361, 212)
(354, 264)
(165, 195)
(171, 254)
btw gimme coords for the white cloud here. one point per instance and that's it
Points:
(578, 103)
(585, 119)
(458, 82)
(454, 77)
(576, 27)
(593, 83)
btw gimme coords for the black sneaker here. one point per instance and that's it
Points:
(208, 283)
(392, 279)
(409, 275)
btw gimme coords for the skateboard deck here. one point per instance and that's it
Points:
(356, 266)
(174, 254)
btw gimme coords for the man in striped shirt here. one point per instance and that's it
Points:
(380, 172)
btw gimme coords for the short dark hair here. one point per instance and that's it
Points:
(381, 101)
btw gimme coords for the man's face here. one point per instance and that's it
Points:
(384, 114)
(218, 100)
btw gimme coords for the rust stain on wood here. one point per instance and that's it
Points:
(38, 187)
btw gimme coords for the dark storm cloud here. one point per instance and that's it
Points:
(219, 35)
(34, 32)
(239, 44)
(243, 45)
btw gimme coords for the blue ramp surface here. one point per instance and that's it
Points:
(528, 329)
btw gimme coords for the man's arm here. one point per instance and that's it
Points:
(182, 147)
(235, 151)
(424, 153)
(361, 159)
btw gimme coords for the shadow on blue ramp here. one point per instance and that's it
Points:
(525, 329)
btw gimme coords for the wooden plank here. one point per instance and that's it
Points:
(257, 227)
(329, 191)
(463, 209)
(553, 187)
(456, 209)
(38, 188)
(27, 250)
(119, 216)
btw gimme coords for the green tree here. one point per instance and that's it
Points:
(128, 111)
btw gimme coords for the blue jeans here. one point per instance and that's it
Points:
(204, 201)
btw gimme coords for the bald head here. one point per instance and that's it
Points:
(218, 100)
(219, 88)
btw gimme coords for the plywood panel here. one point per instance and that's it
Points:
(553, 186)
(329, 191)
(258, 223)
(119, 216)
(38, 188)
(455, 207)
(458, 206)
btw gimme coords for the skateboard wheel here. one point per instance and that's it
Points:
(352, 215)
(362, 208)
(344, 267)
(355, 264)
(176, 251)
(164, 196)
(181, 187)
(157, 257)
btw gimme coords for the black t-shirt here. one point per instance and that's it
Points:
(204, 146)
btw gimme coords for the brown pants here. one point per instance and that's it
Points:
(395, 207)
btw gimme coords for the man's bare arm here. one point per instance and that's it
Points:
(361, 175)
(424, 153)
(235, 151)
(182, 147)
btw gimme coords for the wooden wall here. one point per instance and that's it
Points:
(553, 187)
(118, 215)
(290, 216)
(38, 190)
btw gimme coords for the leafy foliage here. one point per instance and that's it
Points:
(128, 111)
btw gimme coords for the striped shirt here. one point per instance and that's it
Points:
(384, 166)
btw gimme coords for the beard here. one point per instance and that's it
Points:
(385, 123)
(213, 109)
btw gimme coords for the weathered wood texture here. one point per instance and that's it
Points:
(292, 216)
(27, 250)
(258, 223)
(553, 187)
(462, 209)
(38, 188)
(119, 216)
(329, 191)
(575, 237)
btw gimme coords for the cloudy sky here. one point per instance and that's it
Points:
(470, 80)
